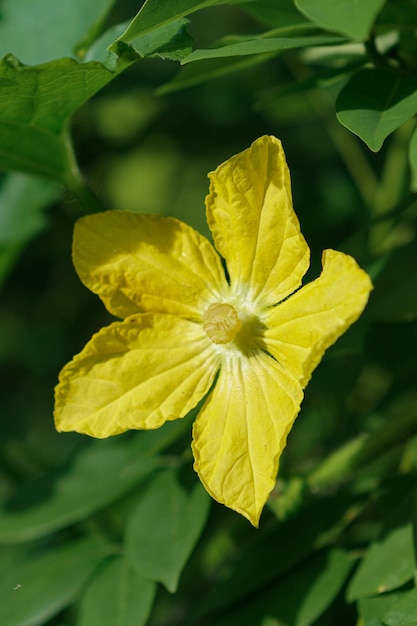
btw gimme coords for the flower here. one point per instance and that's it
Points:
(190, 328)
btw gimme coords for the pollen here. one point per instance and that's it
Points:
(221, 323)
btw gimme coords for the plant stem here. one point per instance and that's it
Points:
(75, 183)
(84, 194)
(393, 180)
(393, 185)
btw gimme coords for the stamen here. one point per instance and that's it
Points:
(221, 323)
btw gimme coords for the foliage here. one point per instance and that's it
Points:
(145, 103)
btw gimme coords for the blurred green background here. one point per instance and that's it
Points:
(146, 152)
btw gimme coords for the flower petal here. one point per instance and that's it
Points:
(242, 429)
(138, 263)
(135, 374)
(300, 329)
(255, 229)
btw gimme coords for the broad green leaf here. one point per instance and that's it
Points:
(40, 31)
(387, 565)
(403, 612)
(164, 527)
(349, 17)
(395, 295)
(23, 200)
(101, 473)
(261, 45)
(413, 160)
(41, 583)
(155, 13)
(375, 102)
(372, 610)
(117, 596)
(36, 103)
(299, 597)
(281, 15)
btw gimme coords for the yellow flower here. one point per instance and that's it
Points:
(190, 329)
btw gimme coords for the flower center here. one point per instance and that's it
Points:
(221, 322)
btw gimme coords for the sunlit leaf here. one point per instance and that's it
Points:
(164, 527)
(41, 583)
(375, 102)
(101, 473)
(118, 595)
(37, 32)
(350, 17)
(387, 565)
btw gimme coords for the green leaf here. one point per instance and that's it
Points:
(394, 298)
(118, 595)
(349, 17)
(281, 15)
(101, 473)
(23, 200)
(375, 102)
(387, 565)
(325, 584)
(299, 597)
(155, 13)
(261, 45)
(46, 30)
(372, 610)
(36, 103)
(403, 612)
(40, 584)
(164, 527)
(169, 41)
